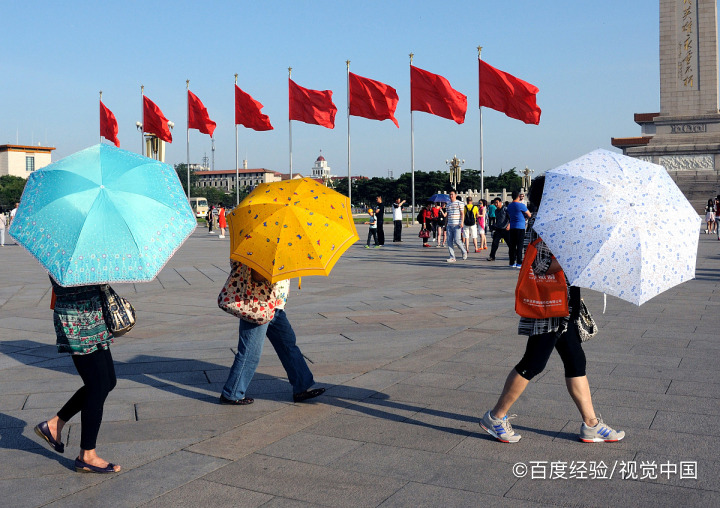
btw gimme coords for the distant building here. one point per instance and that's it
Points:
(225, 179)
(21, 160)
(321, 169)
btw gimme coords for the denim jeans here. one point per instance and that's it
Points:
(453, 236)
(250, 346)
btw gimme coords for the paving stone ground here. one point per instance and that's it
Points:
(412, 351)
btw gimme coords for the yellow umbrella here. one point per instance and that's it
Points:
(291, 229)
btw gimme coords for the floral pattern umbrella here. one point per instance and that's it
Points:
(291, 229)
(619, 225)
(103, 215)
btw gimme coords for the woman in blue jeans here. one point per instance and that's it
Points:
(250, 346)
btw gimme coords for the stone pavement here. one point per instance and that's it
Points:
(412, 350)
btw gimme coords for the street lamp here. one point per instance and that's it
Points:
(455, 170)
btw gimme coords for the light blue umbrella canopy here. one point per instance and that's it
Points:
(103, 215)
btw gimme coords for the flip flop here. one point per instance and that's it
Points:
(42, 430)
(84, 467)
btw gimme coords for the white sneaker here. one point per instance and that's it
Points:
(500, 429)
(451, 260)
(221, 236)
(600, 433)
(464, 255)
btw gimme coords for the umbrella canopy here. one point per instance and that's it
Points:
(103, 215)
(291, 229)
(618, 225)
(439, 198)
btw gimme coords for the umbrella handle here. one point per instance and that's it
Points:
(604, 302)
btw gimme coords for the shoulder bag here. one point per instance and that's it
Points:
(540, 296)
(586, 326)
(119, 314)
(246, 299)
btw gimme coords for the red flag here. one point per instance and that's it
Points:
(433, 94)
(108, 125)
(248, 112)
(506, 93)
(154, 122)
(312, 106)
(372, 99)
(198, 117)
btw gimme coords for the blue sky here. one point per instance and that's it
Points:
(596, 63)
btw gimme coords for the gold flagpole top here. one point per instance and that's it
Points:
(187, 84)
(347, 62)
(289, 71)
(100, 94)
(411, 58)
(236, 78)
(142, 89)
(479, 48)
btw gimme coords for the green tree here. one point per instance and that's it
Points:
(11, 189)
(509, 180)
(181, 170)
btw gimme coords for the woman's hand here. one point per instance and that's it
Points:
(257, 277)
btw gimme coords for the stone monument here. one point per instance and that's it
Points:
(685, 134)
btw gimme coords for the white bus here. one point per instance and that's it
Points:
(199, 206)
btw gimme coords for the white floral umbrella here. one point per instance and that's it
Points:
(618, 225)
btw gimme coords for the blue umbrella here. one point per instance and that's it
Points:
(439, 198)
(103, 215)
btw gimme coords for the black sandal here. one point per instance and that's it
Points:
(239, 402)
(308, 394)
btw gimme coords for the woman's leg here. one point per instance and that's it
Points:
(537, 352)
(282, 338)
(98, 373)
(251, 338)
(572, 355)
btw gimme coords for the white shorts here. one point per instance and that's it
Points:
(470, 231)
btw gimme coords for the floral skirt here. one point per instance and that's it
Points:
(80, 326)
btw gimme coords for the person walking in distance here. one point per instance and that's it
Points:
(380, 216)
(455, 219)
(372, 231)
(397, 220)
(470, 229)
(517, 211)
(500, 229)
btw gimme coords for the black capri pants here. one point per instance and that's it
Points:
(98, 374)
(539, 348)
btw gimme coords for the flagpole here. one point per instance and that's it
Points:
(412, 146)
(100, 115)
(482, 169)
(347, 62)
(187, 133)
(237, 169)
(142, 116)
(290, 125)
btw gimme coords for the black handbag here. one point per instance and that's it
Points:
(119, 314)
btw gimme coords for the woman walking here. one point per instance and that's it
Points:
(710, 218)
(250, 345)
(81, 331)
(544, 335)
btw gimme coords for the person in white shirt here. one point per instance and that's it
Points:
(397, 219)
(455, 219)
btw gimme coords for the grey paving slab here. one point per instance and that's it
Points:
(421, 495)
(199, 492)
(614, 493)
(133, 487)
(459, 472)
(310, 448)
(308, 482)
